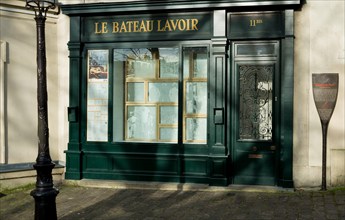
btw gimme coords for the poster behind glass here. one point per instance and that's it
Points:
(97, 95)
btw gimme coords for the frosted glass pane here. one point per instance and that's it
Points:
(200, 65)
(135, 92)
(168, 134)
(141, 122)
(169, 62)
(255, 49)
(195, 62)
(142, 69)
(168, 115)
(196, 129)
(196, 98)
(186, 67)
(163, 92)
(97, 90)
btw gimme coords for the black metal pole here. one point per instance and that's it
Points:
(324, 155)
(45, 192)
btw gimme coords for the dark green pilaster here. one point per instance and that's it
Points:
(217, 113)
(287, 82)
(73, 153)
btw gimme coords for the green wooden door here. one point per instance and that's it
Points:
(255, 77)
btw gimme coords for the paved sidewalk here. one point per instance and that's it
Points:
(204, 203)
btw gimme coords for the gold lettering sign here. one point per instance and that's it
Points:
(145, 26)
(254, 22)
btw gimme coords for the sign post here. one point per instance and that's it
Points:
(325, 92)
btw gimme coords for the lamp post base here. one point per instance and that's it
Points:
(45, 193)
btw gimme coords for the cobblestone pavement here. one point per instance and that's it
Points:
(109, 203)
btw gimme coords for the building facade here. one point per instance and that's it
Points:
(215, 92)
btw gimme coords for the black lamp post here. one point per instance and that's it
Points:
(45, 193)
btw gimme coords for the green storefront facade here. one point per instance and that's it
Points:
(182, 91)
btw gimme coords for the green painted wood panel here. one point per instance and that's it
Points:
(255, 25)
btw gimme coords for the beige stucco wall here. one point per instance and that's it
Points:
(319, 48)
(63, 84)
(18, 30)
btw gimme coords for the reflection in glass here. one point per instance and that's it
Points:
(169, 62)
(141, 122)
(168, 115)
(186, 65)
(139, 62)
(135, 92)
(196, 98)
(200, 65)
(141, 68)
(196, 129)
(163, 92)
(195, 62)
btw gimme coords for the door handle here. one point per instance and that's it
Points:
(273, 147)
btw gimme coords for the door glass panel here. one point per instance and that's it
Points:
(255, 102)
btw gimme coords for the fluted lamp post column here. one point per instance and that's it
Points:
(45, 192)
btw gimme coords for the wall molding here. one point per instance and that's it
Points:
(3, 139)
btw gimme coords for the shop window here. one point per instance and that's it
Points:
(97, 95)
(146, 98)
(195, 69)
(149, 109)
